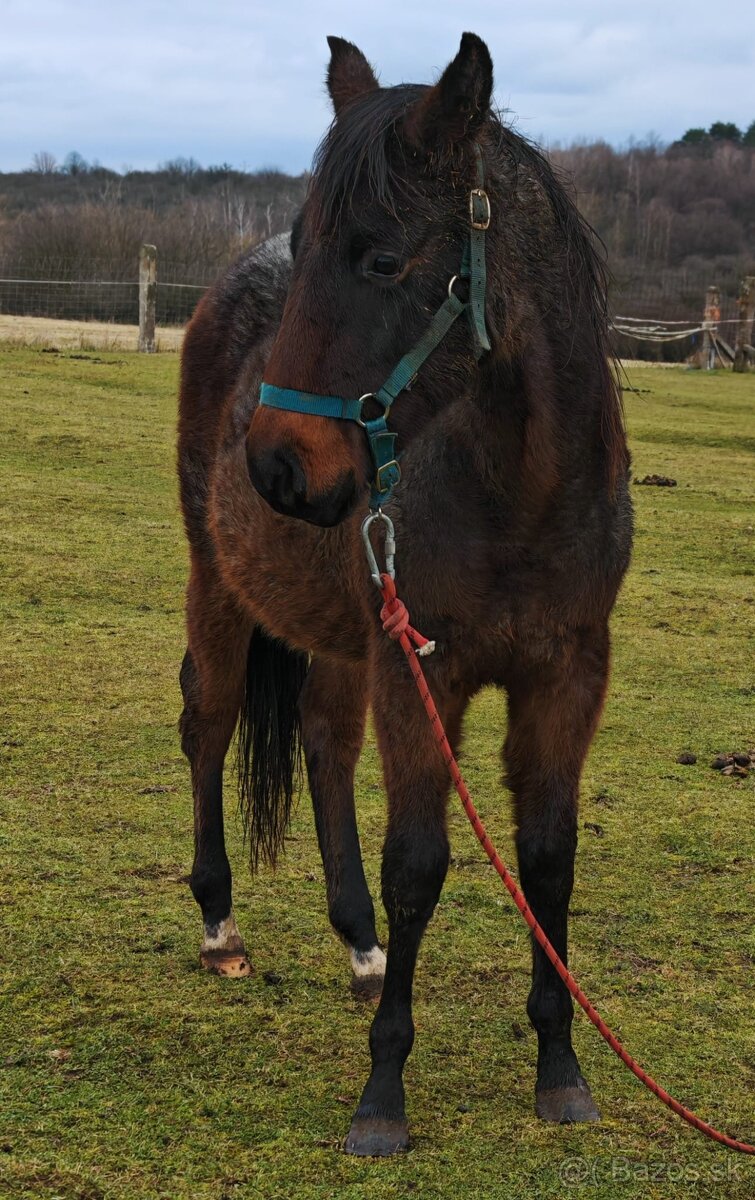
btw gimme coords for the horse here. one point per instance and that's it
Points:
(512, 515)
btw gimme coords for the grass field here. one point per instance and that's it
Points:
(126, 1072)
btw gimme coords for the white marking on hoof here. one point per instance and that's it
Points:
(223, 936)
(222, 951)
(367, 962)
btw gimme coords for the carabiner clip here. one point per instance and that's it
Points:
(389, 546)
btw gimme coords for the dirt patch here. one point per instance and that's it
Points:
(80, 335)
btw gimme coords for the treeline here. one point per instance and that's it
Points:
(665, 212)
(88, 221)
(673, 218)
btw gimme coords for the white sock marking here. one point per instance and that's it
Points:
(367, 962)
(223, 936)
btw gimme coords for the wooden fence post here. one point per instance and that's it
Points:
(743, 347)
(711, 317)
(147, 298)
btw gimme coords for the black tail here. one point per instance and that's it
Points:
(269, 743)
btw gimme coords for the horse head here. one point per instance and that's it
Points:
(376, 249)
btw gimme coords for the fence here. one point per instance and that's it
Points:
(53, 290)
(722, 336)
(662, 317)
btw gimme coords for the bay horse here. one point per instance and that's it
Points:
(512, 515)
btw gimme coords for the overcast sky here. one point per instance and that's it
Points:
(132, 84)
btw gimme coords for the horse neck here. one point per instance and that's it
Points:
(537, 424)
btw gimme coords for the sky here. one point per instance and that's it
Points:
(135, 83)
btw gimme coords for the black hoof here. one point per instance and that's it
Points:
(567, 1105)
(367, 987)
(376, 1137)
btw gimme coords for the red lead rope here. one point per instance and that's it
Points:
(395, 620)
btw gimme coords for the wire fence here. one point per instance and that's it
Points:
(658, 317)
(52, 290)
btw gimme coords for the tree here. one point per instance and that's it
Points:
(44, 163)
(180, 166)
(694, 137)
(219, 170)
(725, 131)
(748, 138)
(75, 164)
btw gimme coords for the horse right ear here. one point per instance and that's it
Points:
(349, 74)
(459, 103)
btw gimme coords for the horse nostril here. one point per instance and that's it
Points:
(288, 482)
(279, 478)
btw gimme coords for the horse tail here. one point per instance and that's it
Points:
(269, 743)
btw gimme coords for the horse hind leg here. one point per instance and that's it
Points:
(332, 706)
(212, 683)
(553, 712)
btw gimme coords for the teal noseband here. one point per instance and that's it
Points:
(382, 440)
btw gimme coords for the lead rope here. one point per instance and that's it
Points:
(395, 620)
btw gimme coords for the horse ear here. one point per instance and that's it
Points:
(349, 73)
(458, 104)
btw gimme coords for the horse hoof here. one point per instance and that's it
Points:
(232, 964)
(367, 973)
(566, 1106)
(377, 1137)
(367, 987)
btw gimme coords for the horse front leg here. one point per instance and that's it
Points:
(333, 707)
(415, 861)
(553, 712)
(212, 683)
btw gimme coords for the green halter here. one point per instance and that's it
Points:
(380, 438)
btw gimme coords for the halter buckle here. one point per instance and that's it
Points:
(479, 208)
(393, 472)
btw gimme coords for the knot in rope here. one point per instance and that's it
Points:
(395, 618)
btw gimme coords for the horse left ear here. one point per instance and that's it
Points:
(349, 73)
(459, 103)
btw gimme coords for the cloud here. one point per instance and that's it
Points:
(141, 82)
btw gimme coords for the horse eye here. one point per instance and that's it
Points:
(386, 265)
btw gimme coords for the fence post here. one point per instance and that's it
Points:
(147, 298)
(743, 345)
(711, 317)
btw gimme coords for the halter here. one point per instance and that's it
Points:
(380, 438)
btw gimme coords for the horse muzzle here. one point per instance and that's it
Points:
(278, 476)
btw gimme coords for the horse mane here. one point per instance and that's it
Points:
(586, 277)
(365, 147)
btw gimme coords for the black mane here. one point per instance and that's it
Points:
(364, 146)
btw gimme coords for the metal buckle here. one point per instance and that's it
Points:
(479, 217)
(380, 486)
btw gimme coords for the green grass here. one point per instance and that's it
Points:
(126, 1072)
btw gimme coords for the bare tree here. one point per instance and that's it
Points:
(44, 163)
